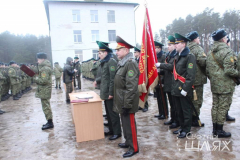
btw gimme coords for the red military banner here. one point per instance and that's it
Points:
(148, 72)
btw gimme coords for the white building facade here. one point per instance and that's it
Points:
(74, 26)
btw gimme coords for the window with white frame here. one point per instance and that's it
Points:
(94, 16)
(111, 16)
(112, 35)
(95, 54)
(79, 54)
(76, 15)
(95, 35)
(77, 36)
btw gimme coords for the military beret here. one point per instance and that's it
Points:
(76, 57)
(158, 44)
(180, 38)
(192, 35)
(41, 55)
(56, 63)
(12, 62)
(171, 40)
(122, 43)
(219, 34)
(136, 49)
(6, 64)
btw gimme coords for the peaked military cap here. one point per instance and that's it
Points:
(74, 58)
(41, 55)
(102, 46)
(158, 44)
(219, 34)
(180, 38)
(12, 62)
(171, 39)
(106, 43)
(136, 49)
(192, 35)
(122, 44)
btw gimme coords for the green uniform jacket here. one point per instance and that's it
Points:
(200, 56)
(161, 59)
(57, 71)
(44, 80)
(2, 79)
(185, 67)
(108, 69)
(126, 85)
(221, 79)
(78, 68)
(168, 68)
(13, 75)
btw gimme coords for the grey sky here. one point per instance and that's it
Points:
(28, 16)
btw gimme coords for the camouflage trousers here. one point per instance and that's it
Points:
(14, 89)
(69, 89)
(46, 107)
(23, 85)
(58, 81)
(220, 105)
(198, 103)
(19, 88)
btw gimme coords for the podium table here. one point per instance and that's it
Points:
(87, 117)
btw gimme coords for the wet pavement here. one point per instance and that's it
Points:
(21, 136)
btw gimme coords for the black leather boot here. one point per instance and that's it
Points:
(15, 97)
(59, 87)
(56, 87)
(214, 129)
(68, 101)
(48, 125)
(168, 122)
(229, 118)
(221, 133)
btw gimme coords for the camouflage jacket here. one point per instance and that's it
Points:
(95, 68)
(185, 65)
(57, 71)
(44, 80)
(126, 93)
(13, 75)
(200, 56)
(108, 71)
(2, 78)
(221, 70)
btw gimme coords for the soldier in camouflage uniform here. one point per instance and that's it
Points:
(201, 78)
(221, 71)
(44, 87)
(19, 87)
(13, 79)
(68, 74)
(58, 73)
(7, 81)
(2, 79)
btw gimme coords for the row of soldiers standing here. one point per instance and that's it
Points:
(185, 69)
(14, 79)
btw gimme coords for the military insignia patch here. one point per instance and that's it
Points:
(112, 68)
(43, 75)
(231, 59)
(130, 73)
(190, 65)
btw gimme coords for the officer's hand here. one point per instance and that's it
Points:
(157, 64)
(75, 70)
(125, 111)
(110, 97)
(95, 84)
(184, 93)
(158, 70)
